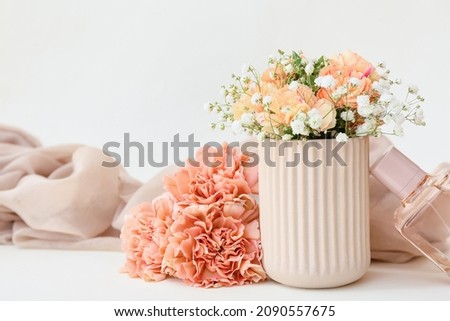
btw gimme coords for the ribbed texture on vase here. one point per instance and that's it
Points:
(315, 219)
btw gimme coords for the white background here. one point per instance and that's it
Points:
(88, 71)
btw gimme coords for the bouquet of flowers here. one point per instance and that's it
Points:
(204, 229)
(300, 98)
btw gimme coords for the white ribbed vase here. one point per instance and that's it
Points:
(314, 218)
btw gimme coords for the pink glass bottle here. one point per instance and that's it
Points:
(424, 217)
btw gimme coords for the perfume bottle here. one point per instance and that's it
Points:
(424, 216)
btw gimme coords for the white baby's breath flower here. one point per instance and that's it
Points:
(256, 97)
(315, 119)
(354, 81)
(348, 115)
(419, 117)
(261, 136)
(341, 138)
(293, 85)
(363, 100)
(395, 106)
(299, 128)
(399, 119)
(289, 68)
(207, 106)
(309, 68)
(385, 97)
(245, 69)
(301, 116)
(335, 96)
(341, 90)
(381, 86)
(398, 131)
(366, 128)
(286, 137)
(325, 81)
(247, 118)
(236, 127)
(365, 110)
(229, 99)
(413, 89)
(267, 100)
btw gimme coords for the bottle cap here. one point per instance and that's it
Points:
(396, 171)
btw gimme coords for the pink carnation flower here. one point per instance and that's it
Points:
(211, 246)
(205, 184)
(144, 238)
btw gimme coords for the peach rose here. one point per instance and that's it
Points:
(274, 75)
(351, 63)
(144, 238)
(244, 103)
(209, 249)
(328, 112)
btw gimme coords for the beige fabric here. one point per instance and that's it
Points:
(58, 197)
(61, 197)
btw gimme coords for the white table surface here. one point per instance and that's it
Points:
(29, 274)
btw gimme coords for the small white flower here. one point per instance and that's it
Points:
(299, 128)
(229, 99)
(348, 115)
(247, 118)
(256, 97)
(398, 131)
(342, 138)
(413, 89)
(286, 137)
(325, 81)
(365, 110)
(309, 68)
(361, 130)
(363, 100)
(385, 97)
(236, 127)
(341, 90)
(272, 75)
(315, 119)
(395, 106)
(419, 117)
(289, 68)
(293, 85)
(377, 109)
(335, 96)
(261, 136)
(301, 116)
(354, 81)
(381, 86)
(398, 119)
(366, 128)
(222, 114)
(207, 106)
(245, 69)
(245, 78)
(267, 100)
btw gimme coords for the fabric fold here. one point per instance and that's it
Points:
(59, 197)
